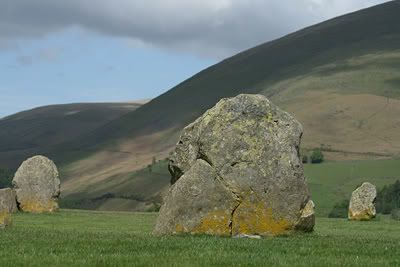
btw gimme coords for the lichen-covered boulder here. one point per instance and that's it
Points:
(236, 171)
(7, 206)
(37, 185)
(8, 200)
(362, 203)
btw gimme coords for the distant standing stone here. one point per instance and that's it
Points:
(37, 185)
(307, 218)
(7, 206)
(362, 206)
(8, 200)
(236, 172)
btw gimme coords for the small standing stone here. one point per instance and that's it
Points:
(8, 200)
(7, 206)
(37, 185)
(307, 219)
(362, 206)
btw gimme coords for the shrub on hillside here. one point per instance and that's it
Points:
(388, 198)
(317, 156)
(339, 210)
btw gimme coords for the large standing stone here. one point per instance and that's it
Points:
(362, 203)
(37, 185)
(7, 206)
(236, 171)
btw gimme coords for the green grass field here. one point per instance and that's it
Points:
(332, 182)
(329, 183)
(82, 238)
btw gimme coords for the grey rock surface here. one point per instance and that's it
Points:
(236, 171)
(8, 200)
(8, 205)
(362, 203)
(37, 185)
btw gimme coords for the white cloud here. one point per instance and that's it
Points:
(215, 28)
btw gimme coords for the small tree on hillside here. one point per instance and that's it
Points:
(317, 156)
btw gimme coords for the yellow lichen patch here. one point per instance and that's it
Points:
(269, 117)
(179, 229)
(36, 206)
(5, 219)
(254, 217)
(214, 223)
(365, 215)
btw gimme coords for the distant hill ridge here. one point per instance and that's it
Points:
(37, 130)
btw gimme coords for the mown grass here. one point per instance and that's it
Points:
(82, 238)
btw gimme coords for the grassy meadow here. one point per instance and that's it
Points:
(329, 183)
(332, 182)
(87, 238)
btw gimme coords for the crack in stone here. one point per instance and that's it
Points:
(202, 156)
(222, 181)
(232, 215)
(236, 196)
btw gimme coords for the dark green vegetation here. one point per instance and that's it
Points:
(41, 129)
(340, 209)
(6, 176)
(339, 78)
(317, 156)
(77, 238)
(388, 198)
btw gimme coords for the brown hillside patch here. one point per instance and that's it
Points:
(361, 123)
(127, 157)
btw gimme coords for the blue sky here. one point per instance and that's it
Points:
(99, 69)
(68, 51)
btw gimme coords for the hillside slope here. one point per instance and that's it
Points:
(365, 40)
(38, 130)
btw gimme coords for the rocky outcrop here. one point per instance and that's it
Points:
(236, 171)
(37, 185)
(362, 203)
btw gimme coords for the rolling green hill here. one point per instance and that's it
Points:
(340, 79)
